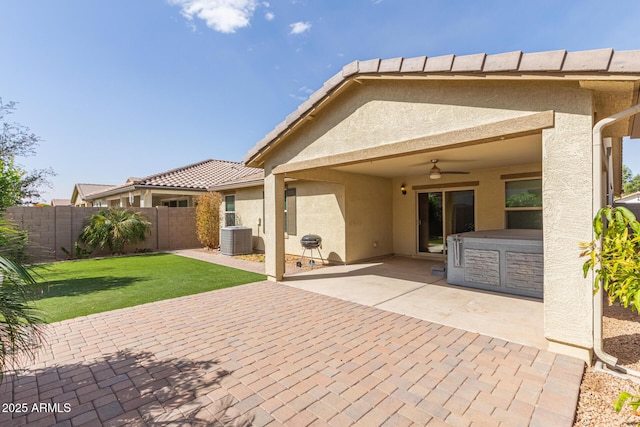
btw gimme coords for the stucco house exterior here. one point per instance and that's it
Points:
(173, 188)
(367, 163)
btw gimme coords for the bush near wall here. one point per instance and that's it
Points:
(208, 219)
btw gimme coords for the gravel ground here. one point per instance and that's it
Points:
(598, 391)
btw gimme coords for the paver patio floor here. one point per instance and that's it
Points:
(284, 356)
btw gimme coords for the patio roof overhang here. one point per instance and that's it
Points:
(502, 143)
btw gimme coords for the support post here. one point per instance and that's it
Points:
(274, 222)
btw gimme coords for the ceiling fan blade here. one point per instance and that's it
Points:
(455, 172)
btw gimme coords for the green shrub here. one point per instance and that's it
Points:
(113, 228)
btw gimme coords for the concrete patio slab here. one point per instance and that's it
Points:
(279, 355)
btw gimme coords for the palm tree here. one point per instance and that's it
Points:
(113, 228)
(21, 330)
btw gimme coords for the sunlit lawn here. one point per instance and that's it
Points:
(78, 288)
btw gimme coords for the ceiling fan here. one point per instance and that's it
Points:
(436, 173)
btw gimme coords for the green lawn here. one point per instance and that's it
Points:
(72, 289)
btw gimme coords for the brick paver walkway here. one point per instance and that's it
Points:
(280, 355)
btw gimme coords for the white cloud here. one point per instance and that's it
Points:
(269, 16)
(225, 16)
(300, 27)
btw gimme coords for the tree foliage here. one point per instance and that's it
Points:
(208, 219)
(630, 183)
(21, 333)
(10, 184)
(113, 228)
(616, 260)
(17, 141)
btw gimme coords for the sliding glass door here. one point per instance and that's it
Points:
(441, 213)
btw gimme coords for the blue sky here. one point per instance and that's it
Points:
(120, 88)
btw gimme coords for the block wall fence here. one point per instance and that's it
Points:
(53, 228)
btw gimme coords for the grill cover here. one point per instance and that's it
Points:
(311, 241)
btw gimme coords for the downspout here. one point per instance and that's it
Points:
(608, 359)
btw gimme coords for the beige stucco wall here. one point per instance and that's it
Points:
(489, 202)
(320, 210)
(369, 217)
(567, 215)
(387, 111)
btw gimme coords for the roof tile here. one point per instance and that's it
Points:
(468, 63)
(439, 64)
(412, 65)
(392, 65)
(350, 69)
(625, 61)
(542, 61)
(370, 66)
(588, 60)
(502, 62)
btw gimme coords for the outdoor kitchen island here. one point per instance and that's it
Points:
(508, 261)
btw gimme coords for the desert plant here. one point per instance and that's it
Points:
(208, 219)
(20, 324)
(113, 228)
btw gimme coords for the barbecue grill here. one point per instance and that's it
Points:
(311, 242)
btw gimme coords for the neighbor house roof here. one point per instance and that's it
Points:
(194, 177)
(252, 180)
(83, 190)
(558, 64)
(60, 202)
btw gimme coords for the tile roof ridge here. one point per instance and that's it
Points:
(170, 171)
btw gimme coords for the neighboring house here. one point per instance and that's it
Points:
(174, 188)
(356, 164)
(629, 199)
(60, 202)
(81, 191)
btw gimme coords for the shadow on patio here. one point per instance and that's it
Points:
(128, 387)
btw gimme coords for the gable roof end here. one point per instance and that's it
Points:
(558, 63)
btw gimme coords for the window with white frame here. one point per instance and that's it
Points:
(523, 203)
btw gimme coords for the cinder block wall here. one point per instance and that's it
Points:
(53, 228)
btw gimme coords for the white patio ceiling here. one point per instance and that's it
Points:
(509, 152)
